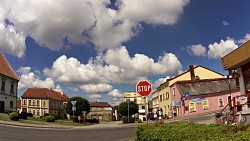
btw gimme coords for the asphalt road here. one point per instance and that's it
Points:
(8, 133)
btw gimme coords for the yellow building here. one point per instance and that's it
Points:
(194, 73)
(139, 100)
(39, 101)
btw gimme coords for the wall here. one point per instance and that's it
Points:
(213, 103)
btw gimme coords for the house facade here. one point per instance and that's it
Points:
(142, 103)
(39, 101)
(194, 73)
(9, 84)
(201, 96)
(102, 111)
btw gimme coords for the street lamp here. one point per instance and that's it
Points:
(229, 86)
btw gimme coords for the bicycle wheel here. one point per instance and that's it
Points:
(242, 120)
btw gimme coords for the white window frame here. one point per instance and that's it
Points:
(219, 102)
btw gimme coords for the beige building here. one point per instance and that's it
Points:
(8, 86)
(138, 99)
(39, 101)
(155, 101)
(102, 111)
(194, 73)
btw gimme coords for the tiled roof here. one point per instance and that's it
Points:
(6, 69)
(207, 86)
(44, 93)
(99, 104)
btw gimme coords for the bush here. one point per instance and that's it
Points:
(191, 131)
(49, 114)
(23, 115)
(14, 116)
(86, 120)
(49, 118)
(125, 120)
(29, 114)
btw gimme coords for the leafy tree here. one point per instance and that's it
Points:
(82, 104)
(123, 108)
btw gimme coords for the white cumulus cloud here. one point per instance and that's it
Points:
(197, 50)
(96, 88)
(218, 50)
(245, 39)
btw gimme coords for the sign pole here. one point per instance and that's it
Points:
(128, 113)
(145, 104)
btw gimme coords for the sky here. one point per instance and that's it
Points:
(97, 49)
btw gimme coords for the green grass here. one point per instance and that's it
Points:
(33, 120)
(4, 117)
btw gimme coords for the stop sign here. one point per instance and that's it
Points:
(144, 88)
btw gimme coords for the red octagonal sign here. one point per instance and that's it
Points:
(144, 88)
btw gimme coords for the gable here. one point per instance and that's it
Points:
(6, 69)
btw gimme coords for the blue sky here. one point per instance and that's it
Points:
(99, 48)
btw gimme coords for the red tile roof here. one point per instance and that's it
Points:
(6, 69)
(44, 93)
(99, 104)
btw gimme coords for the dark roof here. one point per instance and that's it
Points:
(99, 104)
(44, 93)
(207, 86)
(6, 69)
(189, 71)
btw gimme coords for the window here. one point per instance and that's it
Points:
(3, 85)
(220, 102)
(167, 96)
(34, 102)
(160, 98)
(38, 113)
(12, 88)
(163, 97)
(135, 100)
(24, 102)
(11, 104)
(34, 112)
(29, 102)
(44, 103)
(173, 91)
(38, 103)
(143, 107)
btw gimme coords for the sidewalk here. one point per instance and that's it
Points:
(113, 124)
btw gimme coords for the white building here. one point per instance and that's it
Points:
(9, 83)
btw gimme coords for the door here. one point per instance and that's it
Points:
(1, 106)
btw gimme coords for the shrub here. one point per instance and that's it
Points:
(29, 114)
(125, 120)
(14, 116)
(49, 118)
(49, 114)
(191, 131)
(23, 115)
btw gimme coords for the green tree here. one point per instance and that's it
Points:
(82, 104)
(123, 108)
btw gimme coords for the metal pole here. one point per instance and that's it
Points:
(145, 109)
(73, 117)
(128, 112)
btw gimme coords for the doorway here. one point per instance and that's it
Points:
(1, 106)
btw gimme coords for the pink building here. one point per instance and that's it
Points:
(202, 96)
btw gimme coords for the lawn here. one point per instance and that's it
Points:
(33, 120)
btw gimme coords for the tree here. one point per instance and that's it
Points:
(82, 104)
(123, 108)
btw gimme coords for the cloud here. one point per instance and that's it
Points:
(218, 50)
(30, 80)
(73, 89)
(95, 96)
(151, 12)
(245, 39)
(160, 81)
(197, 50)
(96, 88)
(12, 42)
(225, 23)
(114, 66)
(115, 93)
(55, 24)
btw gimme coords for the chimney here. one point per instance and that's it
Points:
(191, 69)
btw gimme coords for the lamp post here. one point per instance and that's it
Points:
(229, 86)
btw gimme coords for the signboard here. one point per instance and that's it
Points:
(192, 107)
(186, 94)
(73, 108)
(144, 88)
(127, 101)
(198, 99)
(205, 104)
(73, 103)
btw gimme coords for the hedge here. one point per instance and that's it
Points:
(14, 116)
(125, 120)
(188, 131)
